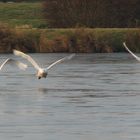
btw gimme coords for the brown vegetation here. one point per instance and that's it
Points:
(92, 13)
(80, 40)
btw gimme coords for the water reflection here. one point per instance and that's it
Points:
(43, 90)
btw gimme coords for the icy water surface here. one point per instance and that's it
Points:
(91, 97)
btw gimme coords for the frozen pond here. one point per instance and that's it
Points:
(91, 97)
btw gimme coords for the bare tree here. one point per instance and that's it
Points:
(92, 13)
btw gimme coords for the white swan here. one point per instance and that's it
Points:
(41, 72)
(136, 57)
(12, 61)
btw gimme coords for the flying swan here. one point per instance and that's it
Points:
(12, 61)
(41, 72)
(136, 57)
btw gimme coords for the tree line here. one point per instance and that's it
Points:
(92, 13)
(21, 0)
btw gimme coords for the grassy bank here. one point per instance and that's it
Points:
(21, 14)
(82, 40)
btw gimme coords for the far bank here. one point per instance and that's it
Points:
(79, 40)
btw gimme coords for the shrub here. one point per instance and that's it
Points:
(92, 13)
(16, 39)
(80, 40)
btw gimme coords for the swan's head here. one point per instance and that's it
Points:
(42, 73)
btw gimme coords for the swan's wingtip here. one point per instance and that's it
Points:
(25, 67)
(124, 43)
(16, 52)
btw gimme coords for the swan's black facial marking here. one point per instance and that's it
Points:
(44, 74)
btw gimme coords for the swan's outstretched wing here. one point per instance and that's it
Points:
(12, 61)
(61, 60)
(136, 57)
(29, 58)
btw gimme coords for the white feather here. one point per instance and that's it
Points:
(61, 60)
(29, 58)
(12, 61)
(136, 57)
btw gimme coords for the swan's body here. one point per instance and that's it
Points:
(41, 72)
(12, 61)
(136, 57)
